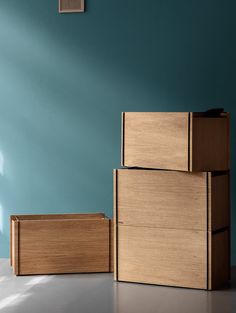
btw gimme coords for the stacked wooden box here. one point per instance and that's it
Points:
(172, 203)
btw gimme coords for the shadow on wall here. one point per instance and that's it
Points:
(1, 219)
(141, 45)
(65, 78)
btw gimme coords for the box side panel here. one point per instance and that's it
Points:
(219, 259)
(156, 140)
(165, 199)
(64, 246)
(164, 257)
(219, 201)
(210, 144)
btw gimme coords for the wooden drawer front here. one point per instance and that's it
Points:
(156, 140)
(165, 199)
(160, 256)
(62, 246)
(175, 141)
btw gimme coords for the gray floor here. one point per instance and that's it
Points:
(98, 293)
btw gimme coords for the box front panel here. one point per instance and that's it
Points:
(64, 246)
(156, 140)
(163, 199)
(160, 256)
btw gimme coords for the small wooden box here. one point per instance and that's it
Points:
(62, 243)
(175, 141)
(172, 228)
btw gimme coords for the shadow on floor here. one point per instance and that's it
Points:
(88, 293)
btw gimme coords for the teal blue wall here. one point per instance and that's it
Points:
(64, 80)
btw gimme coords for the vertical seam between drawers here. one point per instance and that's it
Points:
(207, 230)
(123, 140)
(189, 125)
(116, 203)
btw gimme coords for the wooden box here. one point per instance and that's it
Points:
(172, 228)
(175, 141)
(62, 243)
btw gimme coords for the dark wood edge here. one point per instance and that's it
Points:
(189, 142)
(111, 247)
(229, 195)
(123, 139)
(115, 225)
(208, 239)
(60, 216)
(16, 261)
(10, 225)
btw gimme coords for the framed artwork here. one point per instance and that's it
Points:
(71, 6)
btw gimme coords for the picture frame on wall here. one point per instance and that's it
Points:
(71, 6)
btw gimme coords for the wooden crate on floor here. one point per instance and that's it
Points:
(60, 243)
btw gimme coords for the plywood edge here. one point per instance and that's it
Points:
(218, 259)
(111, 246)
(10, 226)
(122, 138)
(228, 135)
(229, 182)
(72, 216)
(190, 142)
(15, 246)
(209, 201)
(115, 217)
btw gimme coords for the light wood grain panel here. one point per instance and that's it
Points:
(219, 200)
(63, 246)
(160, 256)
(165, 199)
(156, 140)
(210, 144)
(219, 259)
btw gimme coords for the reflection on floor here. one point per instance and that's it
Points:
(88, 293)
